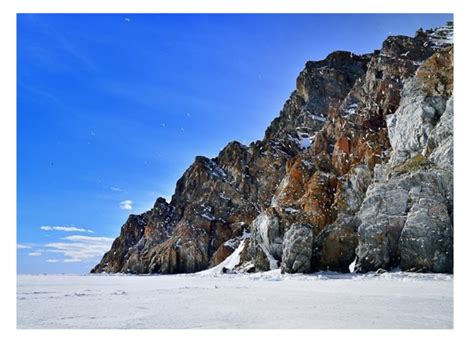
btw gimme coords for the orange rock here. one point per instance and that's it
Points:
(343, 145)
(340, 155)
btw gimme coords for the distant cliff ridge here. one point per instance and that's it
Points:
(355, 174)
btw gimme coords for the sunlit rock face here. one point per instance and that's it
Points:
(356, 172)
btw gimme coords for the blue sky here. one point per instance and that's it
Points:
(113, 108)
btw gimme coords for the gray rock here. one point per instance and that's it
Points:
(353, 189)
(297, 249)
(439, 146)
(334, 247)
(382, 217)
(412, 123)
(404, 203)
(426, 242)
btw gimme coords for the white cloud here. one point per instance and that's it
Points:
(35, 254)
(116, 189)
(65, 229)
(72, 260)
(126, 205)
(76, 248)
(86, 238)
(52, 261)
(22, 246)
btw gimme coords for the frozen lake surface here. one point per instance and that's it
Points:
(263, 300)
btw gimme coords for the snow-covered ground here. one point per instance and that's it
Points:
(263, 300)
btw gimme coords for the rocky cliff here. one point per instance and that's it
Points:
(356, 173)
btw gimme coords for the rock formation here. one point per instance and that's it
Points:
(356, 170)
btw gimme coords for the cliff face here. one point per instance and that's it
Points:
(355, 172)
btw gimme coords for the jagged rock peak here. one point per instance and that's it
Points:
(355, 173)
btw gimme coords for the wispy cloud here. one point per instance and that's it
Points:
(65, 229)
(22, 246)
(35, 254)
(60, 44)
(86, 238)
(77, 248)
(52, 261)
(116, 189)
(126, 205)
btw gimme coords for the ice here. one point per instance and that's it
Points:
(260, 300)
(352, 265)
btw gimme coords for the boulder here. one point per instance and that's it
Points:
(297, 249)
(334, 248)
(426, 241)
